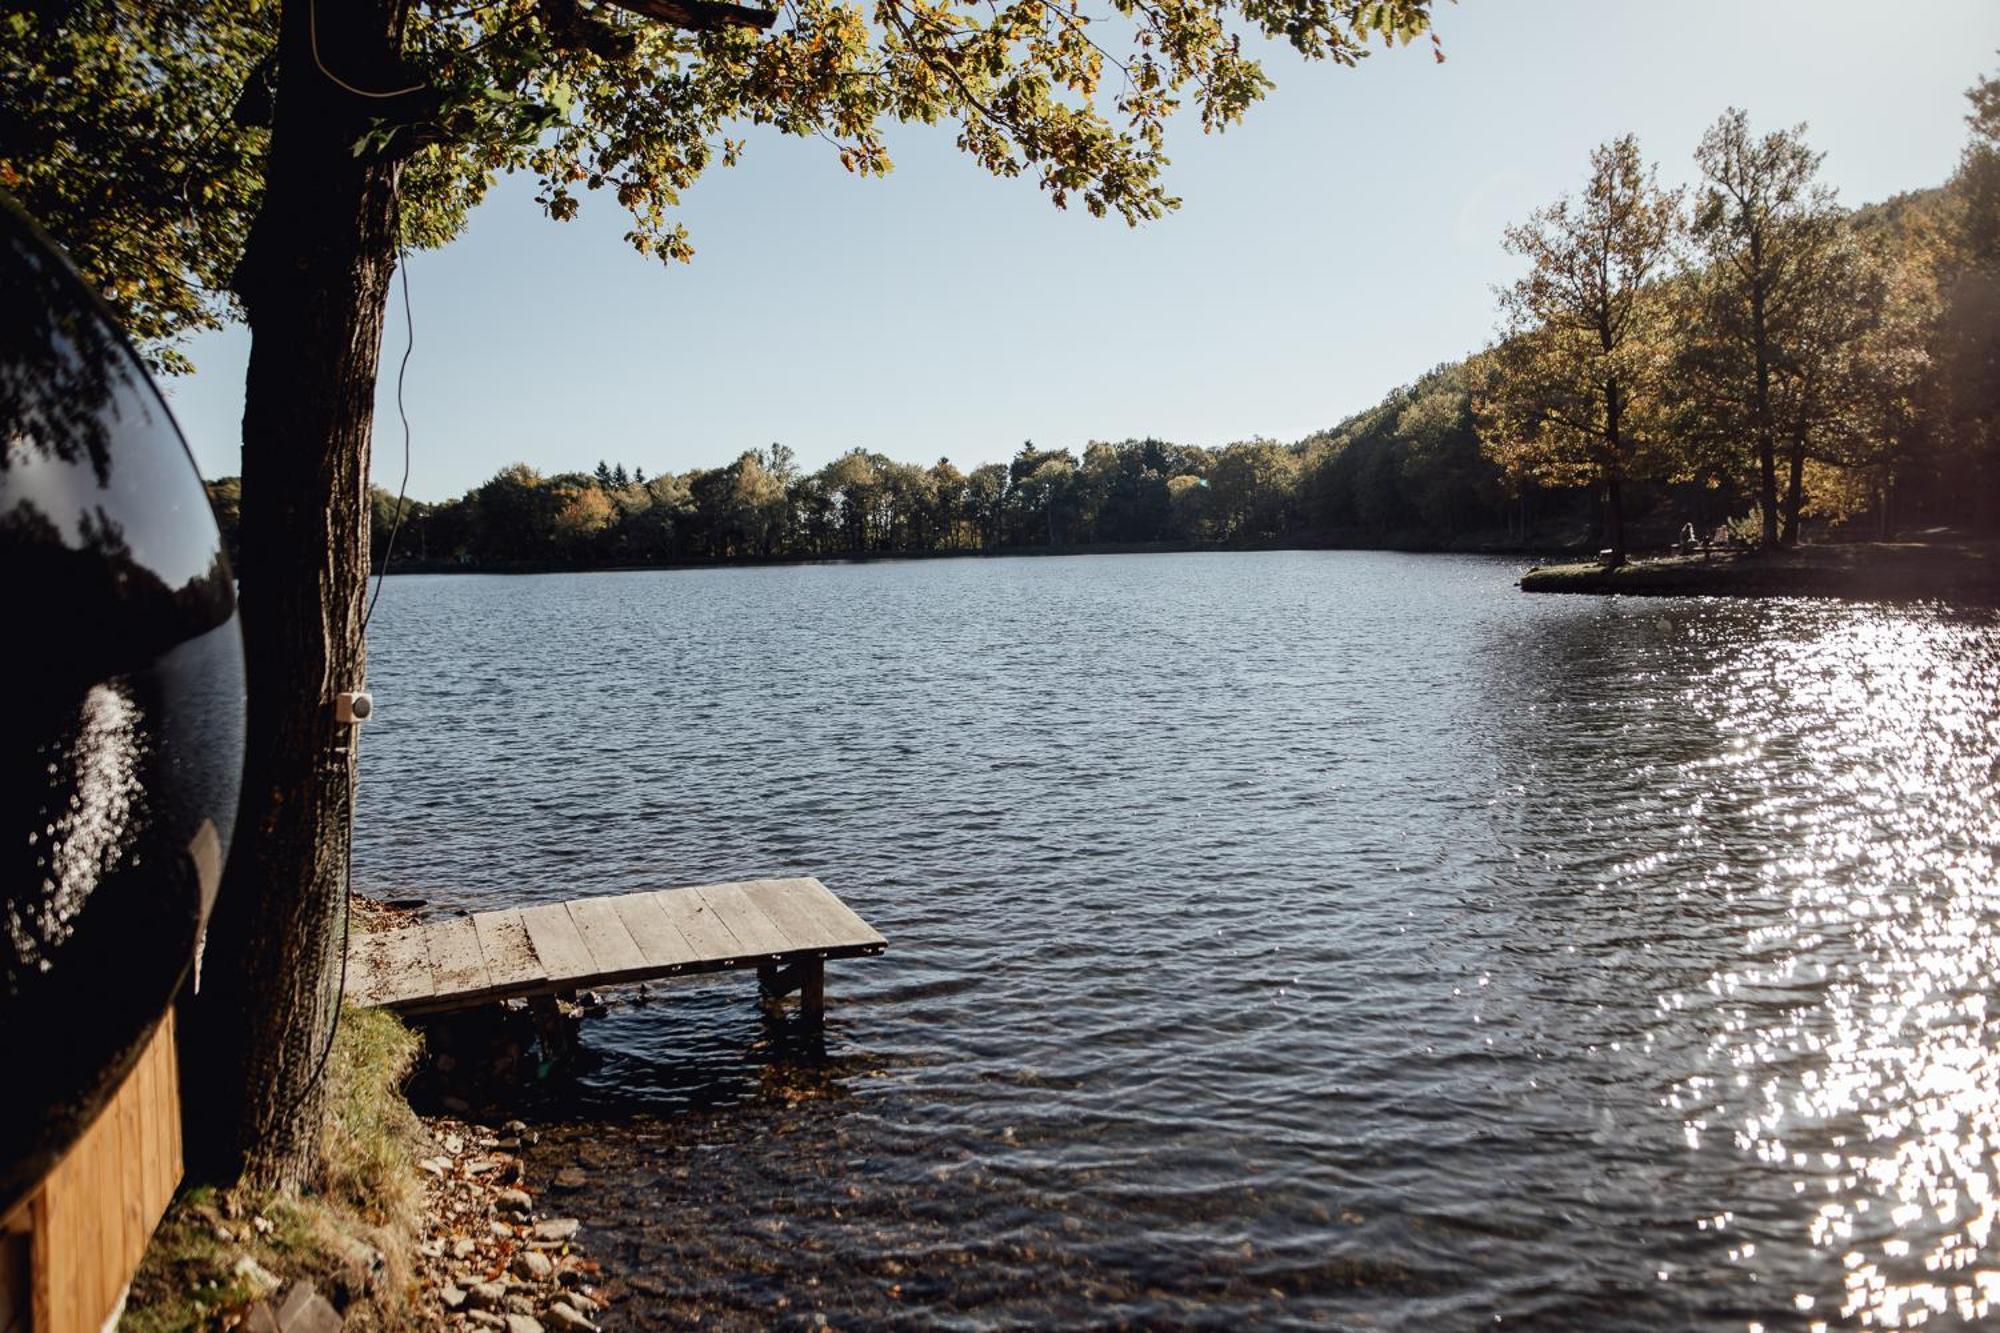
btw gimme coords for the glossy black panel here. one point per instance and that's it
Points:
(121, 740)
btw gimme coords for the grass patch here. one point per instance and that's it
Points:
(352, 1233)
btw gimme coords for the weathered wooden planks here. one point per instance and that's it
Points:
(708, 939)
(613, 951)
(746, 921)
(658, 938)
(603, 941)
(810, 916)
(564, 955)
(507, 951)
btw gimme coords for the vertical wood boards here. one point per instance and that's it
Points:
(94, 1212)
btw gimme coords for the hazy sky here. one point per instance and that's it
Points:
(1342, 241)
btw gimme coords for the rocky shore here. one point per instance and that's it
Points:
(491, 1256)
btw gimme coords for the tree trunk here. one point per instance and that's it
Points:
(1614, 521)
(314, 280)
(1794, 495)
(1767, 463)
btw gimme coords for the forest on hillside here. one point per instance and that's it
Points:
(1742, 352)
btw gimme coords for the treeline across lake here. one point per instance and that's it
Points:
(1742, 352)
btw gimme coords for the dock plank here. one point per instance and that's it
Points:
(760, 936)
(812, 917)
(653, 931)
(611, 945)
(456, 965)
(396, 967)
(507, 951)
(711, 940)
(563, 954)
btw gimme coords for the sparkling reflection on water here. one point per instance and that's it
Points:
(1292, 938)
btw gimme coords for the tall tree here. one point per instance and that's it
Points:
(388, 119)
(1968, 343)
(1574, 394)
(1762, 226)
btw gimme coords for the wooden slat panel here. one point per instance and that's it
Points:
(611, 946)
(711, 940)
(563, 954)
(506, 950)
(653, 931)
(395, 966)
(96, 1209)
(809, 915)
(456, 965)
(746, 921)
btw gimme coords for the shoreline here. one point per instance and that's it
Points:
(1965, 573)
(1415, 546)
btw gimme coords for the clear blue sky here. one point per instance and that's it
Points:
(1338, 244)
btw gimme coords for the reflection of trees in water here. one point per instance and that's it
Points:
(61, 361)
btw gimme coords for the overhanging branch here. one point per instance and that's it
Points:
(700, 15)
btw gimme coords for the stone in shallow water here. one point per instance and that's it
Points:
(563, 1317)
(557, 1228)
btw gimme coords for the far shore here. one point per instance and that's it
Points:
(1964, 572)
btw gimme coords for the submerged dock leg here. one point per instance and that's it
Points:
(812, 994)
(807, 977)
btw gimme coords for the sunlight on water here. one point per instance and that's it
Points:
(1862, 1057)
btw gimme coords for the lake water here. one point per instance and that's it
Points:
(1276, 939)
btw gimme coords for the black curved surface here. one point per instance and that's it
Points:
(121, 734)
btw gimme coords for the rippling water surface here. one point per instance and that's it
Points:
(1276, 939)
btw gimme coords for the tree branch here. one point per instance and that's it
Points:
(700, 15)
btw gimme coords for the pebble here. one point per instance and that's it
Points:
(500, 1230)
(557, 1228)
(571, 1178)
(534, 1265)
(486, 1319)
(513, 1201)
(485, 1295)
(563, 1317)
(464, 1247)
(452, 1296)
(521, 1323)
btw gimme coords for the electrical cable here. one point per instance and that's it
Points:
(402, 487)
(312, 37)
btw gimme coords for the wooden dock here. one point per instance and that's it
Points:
(786, 928)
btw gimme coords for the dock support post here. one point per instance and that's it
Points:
(812, 994)
(807, 976)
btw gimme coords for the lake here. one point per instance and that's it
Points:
(1294, 938)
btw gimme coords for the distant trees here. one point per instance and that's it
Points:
(1804, 358)
(1576, 396)
(1797, 361)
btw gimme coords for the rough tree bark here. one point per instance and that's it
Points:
(314, 281)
